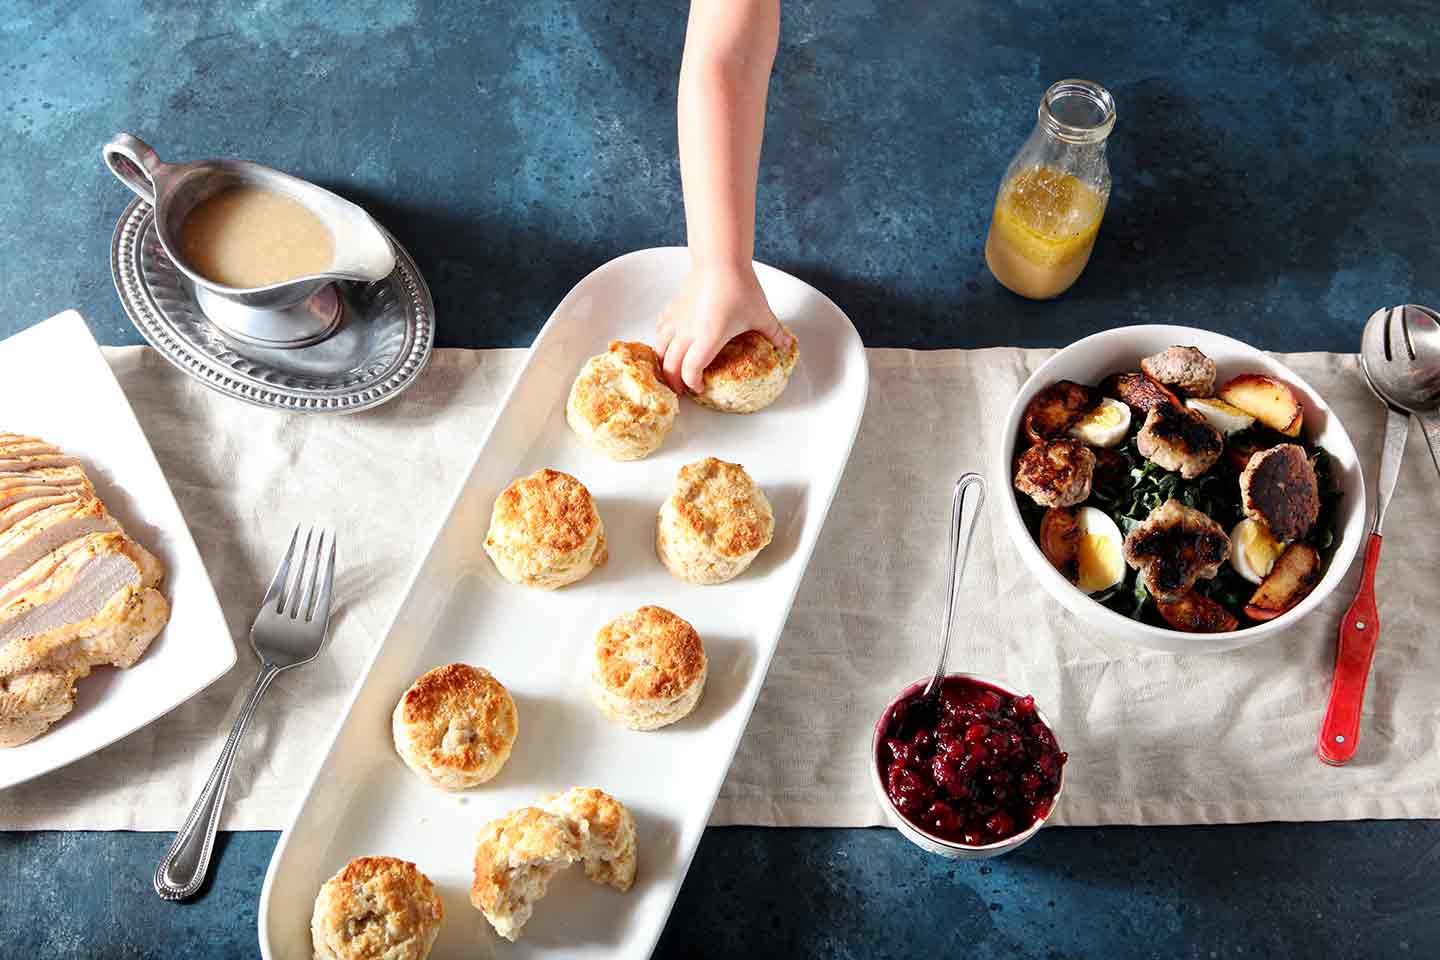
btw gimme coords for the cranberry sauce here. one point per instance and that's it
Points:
(975, 768)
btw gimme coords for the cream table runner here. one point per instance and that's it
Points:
(1153, 738)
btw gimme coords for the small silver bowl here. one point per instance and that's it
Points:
(924, 839)
(288, 315)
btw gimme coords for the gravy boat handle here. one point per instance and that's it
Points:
(134, 164)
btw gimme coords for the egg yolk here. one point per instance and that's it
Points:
(1103, 416)
(1099, 562)
(1261, 549)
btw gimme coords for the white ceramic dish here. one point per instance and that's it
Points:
(363, 800)
(926, 840)
(1114, 351)
(56, 385)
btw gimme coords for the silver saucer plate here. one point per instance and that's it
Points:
(380, 349)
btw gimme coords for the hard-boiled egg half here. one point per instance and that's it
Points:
(1253, 551)
(1105, 426)
(1225, 417)
(1100, 557)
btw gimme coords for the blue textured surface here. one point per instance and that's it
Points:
(1275, 167)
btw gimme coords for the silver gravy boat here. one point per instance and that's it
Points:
(295, 313)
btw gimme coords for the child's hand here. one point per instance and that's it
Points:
(714, 305)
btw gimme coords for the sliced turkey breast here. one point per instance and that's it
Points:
(75, 592)
(26, 448)
(25, 464)
(35, 536)
(46, 476)
(79, 586)
(14, 493)
(46, 565)
(30, 702)
(118, 635)
(11, 514)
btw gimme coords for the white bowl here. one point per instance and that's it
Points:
(928, 841)
(1119, 350)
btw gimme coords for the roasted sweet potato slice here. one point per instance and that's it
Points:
(1196, 613)
(1060, 541)
(1266, 399)
(1137, 391)
(1292, 578)
(1054, 410)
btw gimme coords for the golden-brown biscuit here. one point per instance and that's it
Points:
(376, 907)
(455, 726)
(714, 523)
(515, 857)
(620, 405)
(545, 531)
(748, 373)
(606, 831)
(649, 668)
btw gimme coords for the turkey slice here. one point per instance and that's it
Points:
(118, 634)
(10, 496)
(45, 476)
(36, 535)
(13, 513)
(22, 464)
(30, 702)
(79, 587)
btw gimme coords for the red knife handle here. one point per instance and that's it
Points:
(1360, 628)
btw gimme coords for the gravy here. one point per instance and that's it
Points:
(250, 237)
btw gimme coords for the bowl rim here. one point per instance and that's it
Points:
(1341, 558)
(878, 735)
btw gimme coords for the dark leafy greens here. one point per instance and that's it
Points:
(1146, 485)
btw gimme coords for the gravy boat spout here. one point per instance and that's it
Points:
(292, 313)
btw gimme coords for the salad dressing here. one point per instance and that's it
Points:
(1042, 232)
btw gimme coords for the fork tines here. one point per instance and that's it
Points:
(299, 593)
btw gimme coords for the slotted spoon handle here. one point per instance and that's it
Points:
(1359, 630)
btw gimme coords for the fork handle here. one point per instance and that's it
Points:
(1359, 629)
(182, 870)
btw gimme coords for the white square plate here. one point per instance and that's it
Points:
(363, 800)
(56, 385)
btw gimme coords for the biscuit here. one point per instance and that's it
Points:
(515, 857)
(649, 668)
(748, 373)
(455, 726)
(714, 523)
(376, 907)
(606, 831)
(619, 404)
(545, 531)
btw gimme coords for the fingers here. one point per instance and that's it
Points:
(697, 358)
(664, 335)
(771, 330)
(674, 359)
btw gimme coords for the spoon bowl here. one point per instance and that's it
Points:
(1400, 354)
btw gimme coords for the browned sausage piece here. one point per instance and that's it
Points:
(1055, 409)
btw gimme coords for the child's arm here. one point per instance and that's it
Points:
(729, 50)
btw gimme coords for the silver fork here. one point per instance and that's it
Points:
(289, 631)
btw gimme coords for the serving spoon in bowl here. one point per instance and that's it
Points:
(962, 532)
(1391, 363)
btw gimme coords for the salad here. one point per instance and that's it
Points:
(1176, 503)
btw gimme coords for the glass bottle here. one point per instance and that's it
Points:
(1053, 195)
